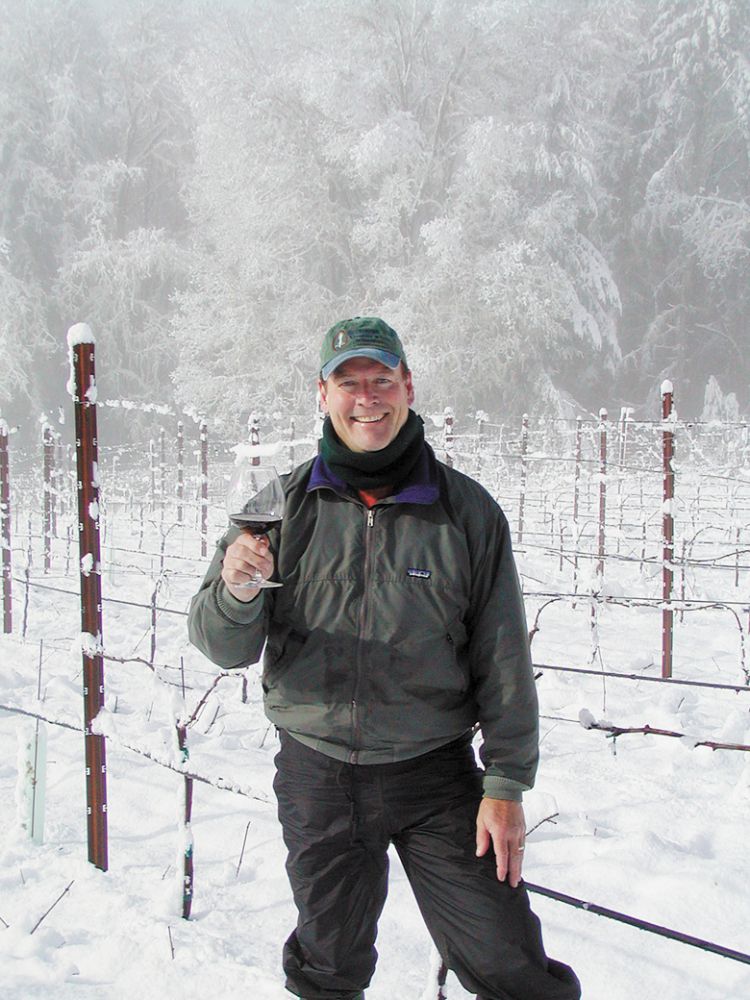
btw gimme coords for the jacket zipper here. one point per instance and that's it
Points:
(362, 623)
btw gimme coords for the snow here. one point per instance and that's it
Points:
(649, 826)
(80, 334)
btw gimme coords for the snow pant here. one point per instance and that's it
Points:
(338, 820)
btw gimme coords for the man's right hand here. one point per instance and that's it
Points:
(243, 557)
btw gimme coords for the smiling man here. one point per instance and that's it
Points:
(399, 627)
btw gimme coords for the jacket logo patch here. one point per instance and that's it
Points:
(422, 574)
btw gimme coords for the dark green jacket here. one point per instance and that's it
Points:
(396, 629)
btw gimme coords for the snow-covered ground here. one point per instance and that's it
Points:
(650, 826)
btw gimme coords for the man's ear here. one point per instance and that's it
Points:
(409, 389)
(323, 397)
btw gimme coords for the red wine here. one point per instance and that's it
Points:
(256, 524)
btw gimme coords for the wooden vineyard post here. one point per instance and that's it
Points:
(448, 435)
(5, 529)
(602, 490)
(522, 496)
(254, 426)
(152, 474)
(81, 344)
(204, 487)
(577, 478)
(48, 451)
(667, 620)
(186, 848)
(292, 437)
(180, 469)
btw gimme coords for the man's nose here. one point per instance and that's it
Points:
(367, 394)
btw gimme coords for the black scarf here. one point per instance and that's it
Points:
(368, 470)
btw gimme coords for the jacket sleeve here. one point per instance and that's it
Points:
(500, 659)
(229, 632)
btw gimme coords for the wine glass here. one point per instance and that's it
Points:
(255, 503)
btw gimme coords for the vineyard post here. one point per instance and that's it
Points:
(204, 487)
(602, 489)
(522, 495)
(163, 466)
(254, 427)
(626, 415)
(48, 464)
(577, 479)
(448, 435)
(81, 344)
(482, 419)
(61, 496)
(737, 558)
(186, 820)
(152, 474)
(5, 516)
(180, 469)
(667, 625)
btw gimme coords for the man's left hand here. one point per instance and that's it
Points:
(502, 822)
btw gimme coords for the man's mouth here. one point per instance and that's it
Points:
(369, 420)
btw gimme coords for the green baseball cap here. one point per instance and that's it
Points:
(360, 337)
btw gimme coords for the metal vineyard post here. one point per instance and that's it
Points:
(91, 596)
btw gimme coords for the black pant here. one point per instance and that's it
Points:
(338, 820)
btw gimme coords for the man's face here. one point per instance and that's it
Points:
(368, 403)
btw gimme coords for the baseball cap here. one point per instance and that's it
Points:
(360, 337)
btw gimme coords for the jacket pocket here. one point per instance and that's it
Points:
(282, 647)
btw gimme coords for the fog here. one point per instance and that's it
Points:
(548, 200)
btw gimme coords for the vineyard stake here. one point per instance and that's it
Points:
(204, 487)
(5, 516)
(254, 428)
(292, 435)
(667, 627)
(602, 489)
(81, 344)
(48, 450)
(180, 469)
(522, 496)
(448, 435)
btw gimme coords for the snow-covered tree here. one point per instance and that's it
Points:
(686, 162)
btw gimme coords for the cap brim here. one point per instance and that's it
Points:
(384, 357)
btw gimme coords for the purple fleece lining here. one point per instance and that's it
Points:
(421, 487)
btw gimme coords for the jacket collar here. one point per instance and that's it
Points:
(421, 487)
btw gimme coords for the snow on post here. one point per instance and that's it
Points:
(5, 530)
(602, 490)
(522, 496)
(83, 389)
(667, 623)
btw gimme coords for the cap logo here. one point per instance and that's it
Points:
(341, 340)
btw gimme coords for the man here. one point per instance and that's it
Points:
(398, 627)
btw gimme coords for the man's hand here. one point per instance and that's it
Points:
(503, 823)
(243, 557)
